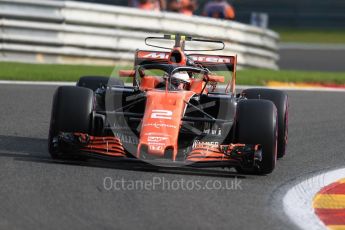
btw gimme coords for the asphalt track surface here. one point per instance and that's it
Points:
(330, 60)
(39, 193)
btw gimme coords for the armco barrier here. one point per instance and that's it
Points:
(73, 32)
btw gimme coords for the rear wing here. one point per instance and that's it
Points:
(143, 57)
(212, 62)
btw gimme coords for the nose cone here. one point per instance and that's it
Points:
(161, 123)
(155, 146)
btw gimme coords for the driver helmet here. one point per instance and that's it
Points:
(182, 76)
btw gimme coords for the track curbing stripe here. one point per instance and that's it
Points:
(329, 201)
(298, 201)
(336, 227)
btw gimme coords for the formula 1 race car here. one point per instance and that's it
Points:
(173, 108)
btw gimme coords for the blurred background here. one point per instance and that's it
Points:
(303, 39)
(282, 13)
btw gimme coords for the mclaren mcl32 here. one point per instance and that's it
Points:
(172, 107)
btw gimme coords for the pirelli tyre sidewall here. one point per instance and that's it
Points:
(280, 100)
(71, 112)
(256, 123)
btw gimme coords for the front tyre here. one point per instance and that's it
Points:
(280, 100)
(71, 112)
(256, 123)
(96, 82)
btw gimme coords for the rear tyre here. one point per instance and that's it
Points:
(71, 112)
(256, 123)
(280, 100)
(94, 82)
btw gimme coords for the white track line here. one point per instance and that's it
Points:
(314, 89)
(56, 83)
(297, 202)
(310, 46)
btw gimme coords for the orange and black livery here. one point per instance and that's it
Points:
(177, 105)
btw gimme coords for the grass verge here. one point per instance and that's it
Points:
(48, 72)
(261, 77)
(332, 36)
(44, 72)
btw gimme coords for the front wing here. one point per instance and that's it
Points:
(201, 155)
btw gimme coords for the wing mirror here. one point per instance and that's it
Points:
(215, 78)
(127, 73)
